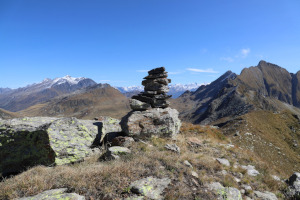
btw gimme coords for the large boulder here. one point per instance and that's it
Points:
(109, 128)
(156, 121)
(26, 142)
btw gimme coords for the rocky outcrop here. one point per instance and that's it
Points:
(151, 115)
(26, 142)
(55, 194)
(156, 121)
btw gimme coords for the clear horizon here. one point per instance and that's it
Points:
(116, 42)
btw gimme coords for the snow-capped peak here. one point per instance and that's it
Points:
(71, 80)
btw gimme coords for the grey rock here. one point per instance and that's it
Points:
(150, 187)
(157, 121)
(294, 186)
(265, 195)
(225, 192)
(173, 147)
(122, 141)
(223, 161)
(247, 187)
(108, 127)
(194, 174)
(138, 105)
(215, 186)
(55, 194)
(187, 163)
(276, 178)
(251, 171)
(26, 142)
(115, 152)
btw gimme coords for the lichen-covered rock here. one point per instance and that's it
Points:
(157, 121)
(26, 142)
(56, 194)
(150, 187)
(115, 152)
(108, 127)
(138, 105)
(265, 195)
(225, 192)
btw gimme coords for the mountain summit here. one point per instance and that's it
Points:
(21, 98)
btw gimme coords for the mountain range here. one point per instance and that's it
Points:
(22, 98)
(263, 87)
(175, 89)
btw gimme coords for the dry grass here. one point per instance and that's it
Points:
(110, 180)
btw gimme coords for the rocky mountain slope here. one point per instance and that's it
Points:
(4, 114)
(21, 98)
(204, 165)
(266, 87)
(95, 101)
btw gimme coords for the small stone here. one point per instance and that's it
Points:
(194, 142)
(276, 178)
(251, 171)
(223, 161)
(195, 174)
(122, 141)
(247, 187)
(173, 147)
(187, 163)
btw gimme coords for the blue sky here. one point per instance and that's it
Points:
(116, 41)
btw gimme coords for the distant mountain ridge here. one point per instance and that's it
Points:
(263, 87)
(175, 89)
(94, 101)
(21, 98)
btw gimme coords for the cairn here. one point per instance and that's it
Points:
(151, 114)
(155, 91)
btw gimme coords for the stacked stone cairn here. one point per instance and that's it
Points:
(155, 91)
(150, 113)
